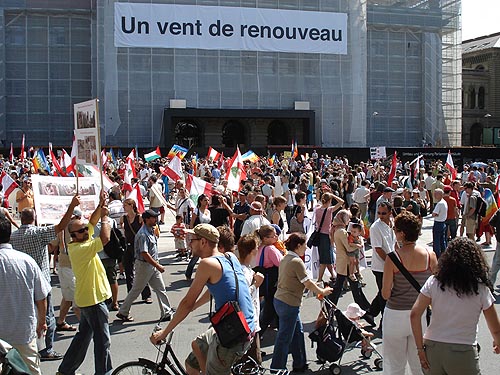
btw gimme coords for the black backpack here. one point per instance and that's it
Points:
(117, 244)
(481, 206)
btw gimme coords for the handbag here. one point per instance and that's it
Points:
(295, 226)
(229, 322)
(315, 236)
(268, 287)
(411, 280)
(330, 345)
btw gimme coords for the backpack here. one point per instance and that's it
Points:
(295, 226)
(481, 207)
(117, 244)
(11, 361)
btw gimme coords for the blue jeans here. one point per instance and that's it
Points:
(439, 237)
(290, 337)
(50, 320)
(93, 325)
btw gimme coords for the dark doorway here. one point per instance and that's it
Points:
(233, 133)
(187, 134)
(277, 133)
(476, 132)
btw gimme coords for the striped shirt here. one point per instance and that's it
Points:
(33, 241)
(21, 283)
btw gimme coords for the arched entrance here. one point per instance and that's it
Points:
(476, 132)
(233, 133)
(277, 133)
(187, 134)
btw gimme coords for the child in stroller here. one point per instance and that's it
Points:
(333, 340)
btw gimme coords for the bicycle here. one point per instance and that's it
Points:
(169, 364)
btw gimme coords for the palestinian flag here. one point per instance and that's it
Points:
(156, 154)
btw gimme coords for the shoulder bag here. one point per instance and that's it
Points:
(315, 236)
(295, 225)
(229, 322)
(410, 279)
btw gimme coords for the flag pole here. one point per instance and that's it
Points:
(99, 141)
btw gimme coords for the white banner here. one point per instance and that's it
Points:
(377, 153)
(54, 194)
(229, 28)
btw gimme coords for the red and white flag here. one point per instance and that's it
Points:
(450, 166)
(128, 175)
(11, 155)
(196, 186)
(497, 191)
(174, 169)
(394, 166)
(9, 185)
(55, 163)
(221, 161)
(104, 158)
(213, 154)
(72, 166)
(131, 156)
(135, 194)
(22, 156)
(235, 172)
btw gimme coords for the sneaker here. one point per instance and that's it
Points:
(52, 356)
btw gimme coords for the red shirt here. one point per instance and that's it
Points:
(452, 207)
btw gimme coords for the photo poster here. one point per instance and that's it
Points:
(377, 153)
(87, 133)
(53, 195)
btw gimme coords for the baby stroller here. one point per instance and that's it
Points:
(334, 340)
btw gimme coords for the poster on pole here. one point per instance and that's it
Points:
(53, 195)
(377, 153)
(87, 133)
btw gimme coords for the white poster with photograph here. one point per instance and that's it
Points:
(87, 133)
(54, 194)
(377, 153)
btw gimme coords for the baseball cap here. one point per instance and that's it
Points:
(150, 213)
(206, 231)
(389, 190)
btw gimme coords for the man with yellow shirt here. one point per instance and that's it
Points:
(91, 291)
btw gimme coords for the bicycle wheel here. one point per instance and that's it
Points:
(140, 367)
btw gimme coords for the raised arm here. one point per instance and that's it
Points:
(67, 216)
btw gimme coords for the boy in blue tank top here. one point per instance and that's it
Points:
(216, 273)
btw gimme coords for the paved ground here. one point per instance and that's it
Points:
(131, 340)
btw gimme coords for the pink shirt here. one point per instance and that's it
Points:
(328, 219)
(272, 256)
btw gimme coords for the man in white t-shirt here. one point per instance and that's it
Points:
(383, 241)
(439, 228)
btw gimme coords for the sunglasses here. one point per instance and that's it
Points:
(382, 213)
(81, 230)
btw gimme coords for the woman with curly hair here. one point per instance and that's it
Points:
(399, 344)
(458, 292)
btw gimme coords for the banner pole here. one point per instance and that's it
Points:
(99, 141)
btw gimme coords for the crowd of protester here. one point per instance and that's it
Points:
(266, 223)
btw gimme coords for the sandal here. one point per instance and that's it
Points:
(124, 318)
(64, 326)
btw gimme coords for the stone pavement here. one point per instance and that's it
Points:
(130, 341)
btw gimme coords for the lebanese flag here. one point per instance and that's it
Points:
(128, 175)
(72, 166)
(11, 155)
(221, 161)
(213, 154)
(235, 172)
(135, 194)
(196, 186)
(9, 185)
(174, 169)
(22, 150)
(55, 163)
(394, 166)
(104, 157)
(450, 166)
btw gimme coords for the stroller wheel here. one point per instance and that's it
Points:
(366, 353)
(379, 364)
(335, 369)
